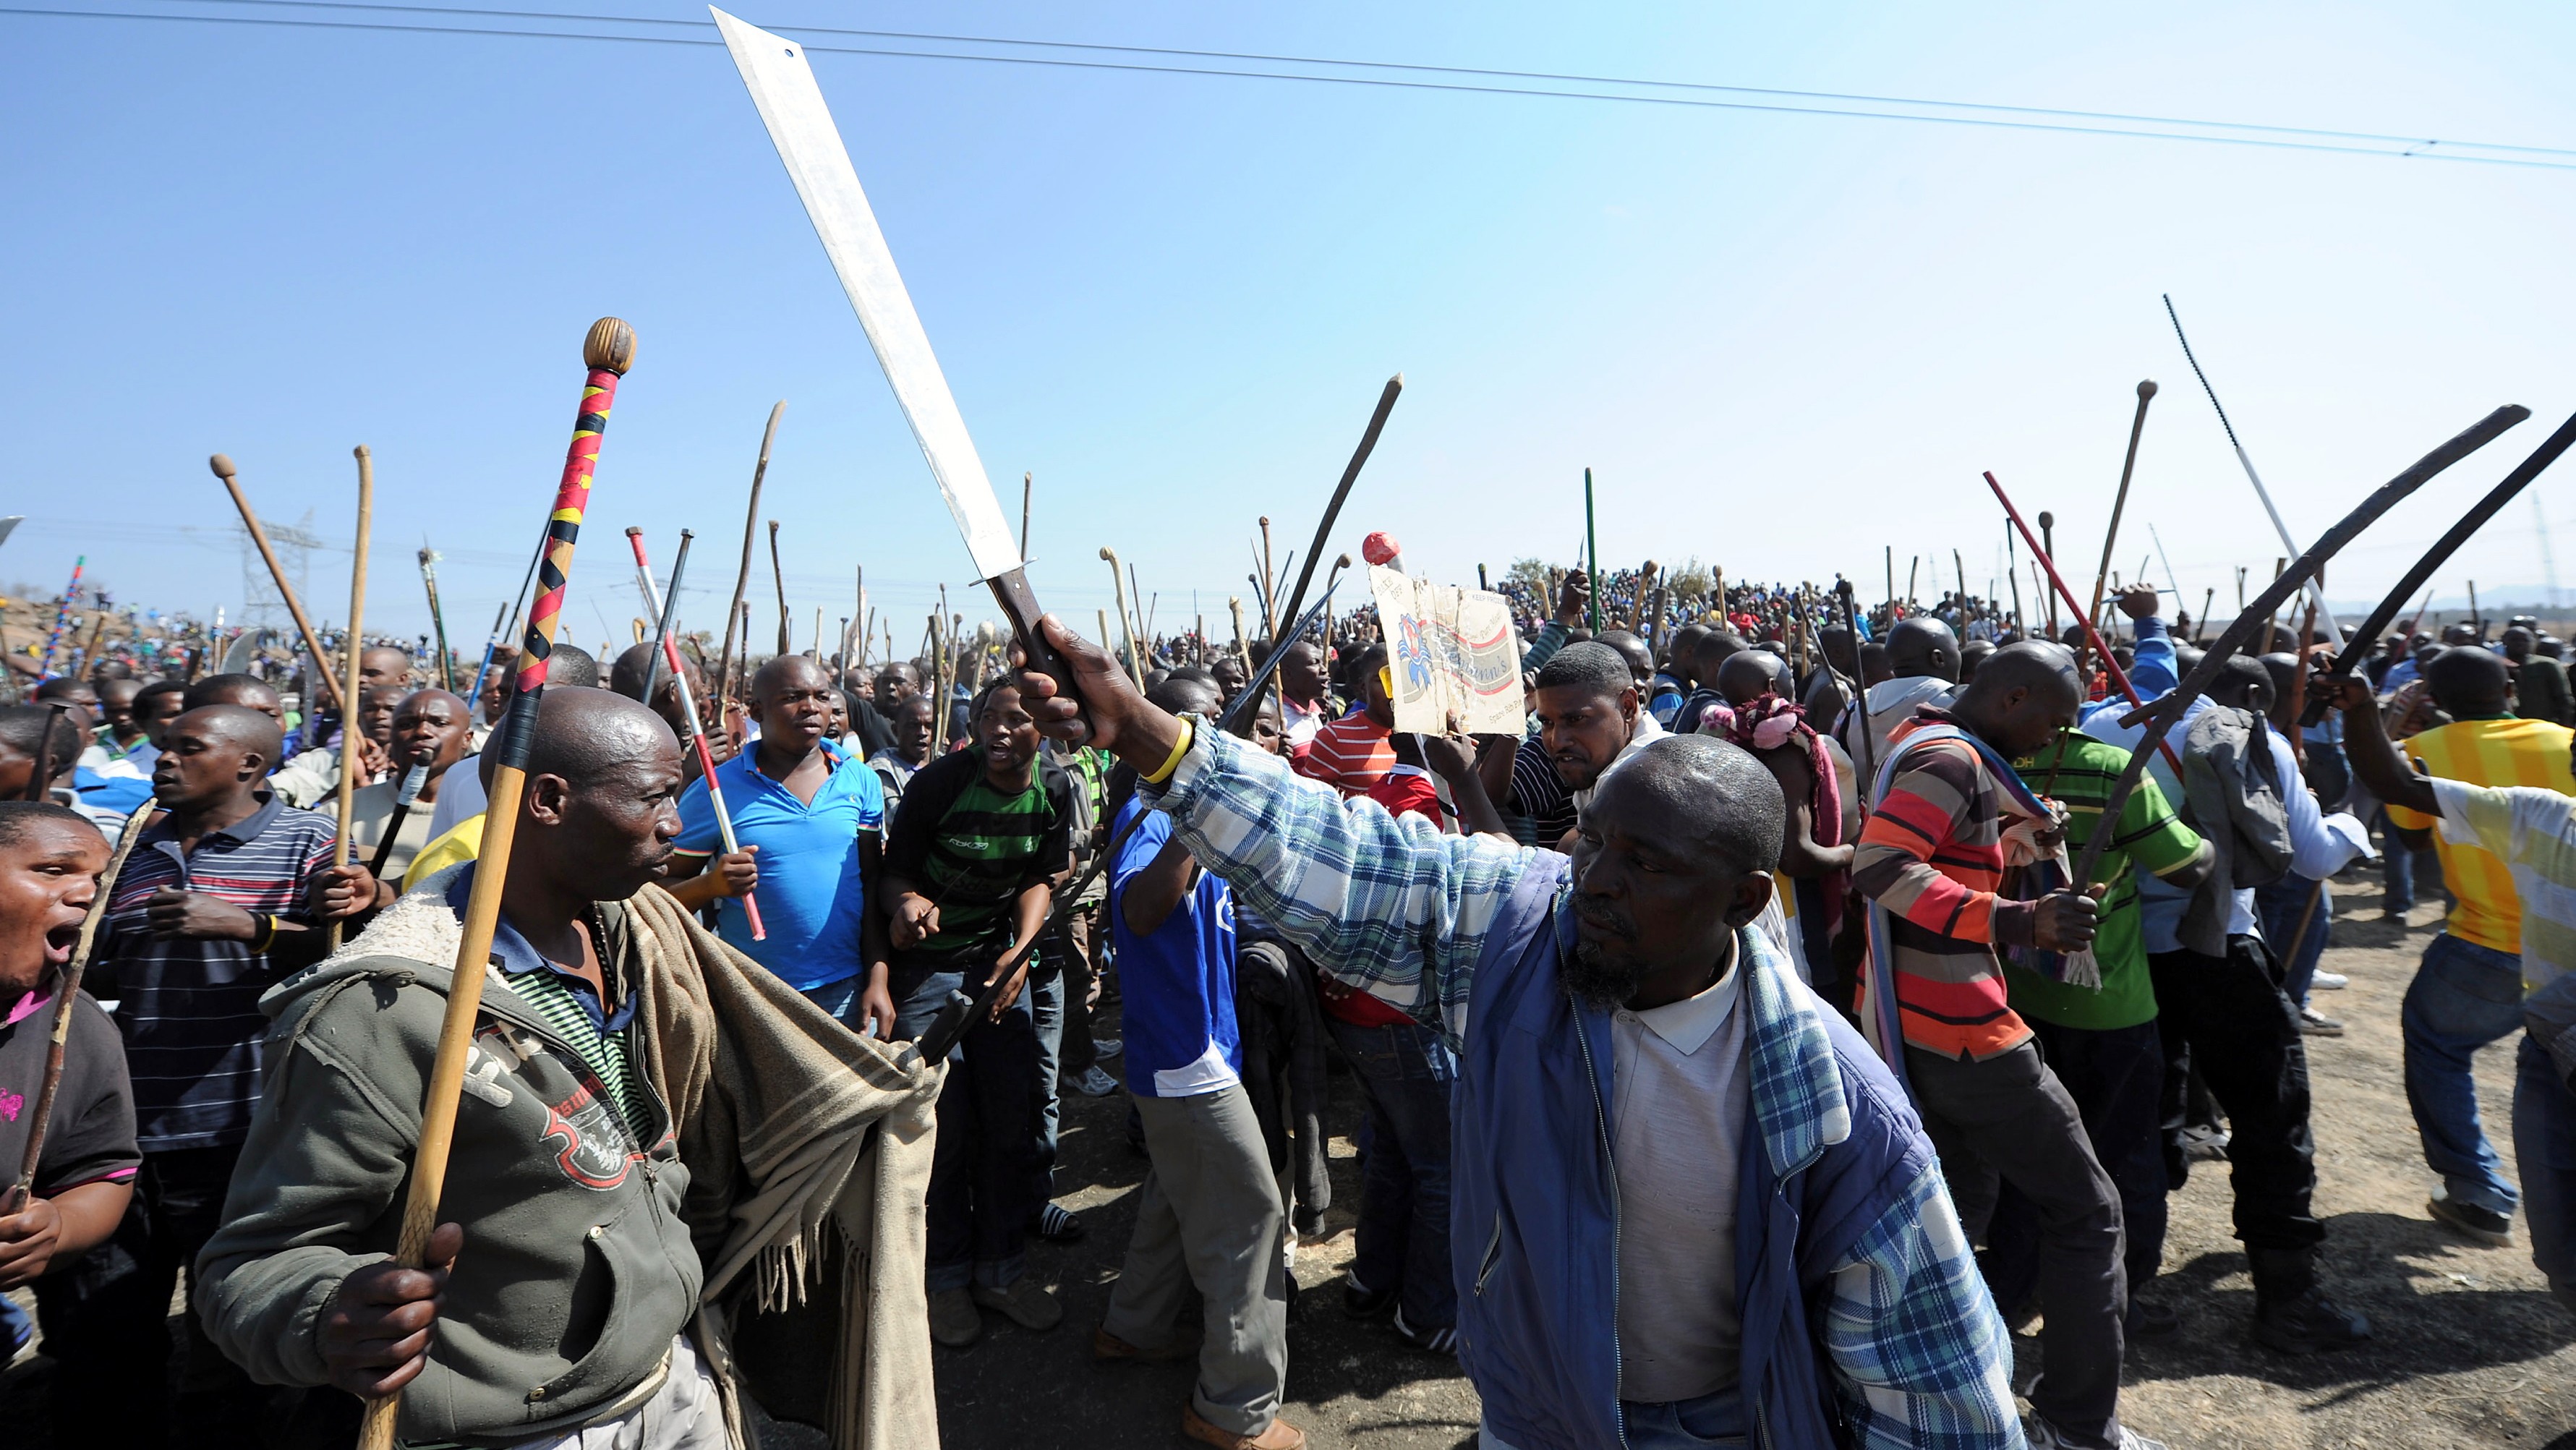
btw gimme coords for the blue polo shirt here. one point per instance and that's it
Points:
(1179, 981)
(811, 897)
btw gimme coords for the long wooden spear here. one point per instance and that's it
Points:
(352, 723)
(607, 352)
(742, 579)
(224, 470)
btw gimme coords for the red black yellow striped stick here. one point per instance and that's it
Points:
(607, 352)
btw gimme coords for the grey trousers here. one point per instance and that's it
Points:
(2009, 1119)
(1209, 1218)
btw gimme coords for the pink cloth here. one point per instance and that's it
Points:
(1768, 722)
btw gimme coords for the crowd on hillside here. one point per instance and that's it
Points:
(1740, 1058)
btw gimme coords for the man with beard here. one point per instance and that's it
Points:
(1688, 1199)
(1591, 716)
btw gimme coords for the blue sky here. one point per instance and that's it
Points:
(1781, 342)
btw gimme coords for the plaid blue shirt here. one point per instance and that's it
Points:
(1397, 908)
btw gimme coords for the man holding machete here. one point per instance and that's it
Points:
(1767, 1243)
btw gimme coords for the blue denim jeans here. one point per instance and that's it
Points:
(1403, 1236)
(1046, 1006)
(2464, 997)
(1714, 1421)
(841, 999)
(980, 1174)
(2544, 1148)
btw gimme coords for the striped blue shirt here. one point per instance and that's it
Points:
(189, 1006)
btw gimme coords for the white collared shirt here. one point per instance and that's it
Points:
(1680, 1105)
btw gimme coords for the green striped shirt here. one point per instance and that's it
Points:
(607, 1055)
(2150, 837)
(973, 849)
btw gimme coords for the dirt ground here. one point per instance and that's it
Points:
(2470, 1349)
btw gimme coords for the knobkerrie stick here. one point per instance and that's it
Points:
(352, 724)
(607, 352)
(1591, 551)
(223, 468)
(2119, 502)
(2359, 642)
(669, 656)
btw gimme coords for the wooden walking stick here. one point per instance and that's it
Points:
(663, 615)
(223, 468)
(607, 352)
(2119, 676)
(2012, 574)
(1860, 699)
(352, 727)
(1243, 652)
(437, 618)
(742, 578)
(1126, 622)
(786, 640)
(2202, 632)
(666, 654)
(15, 1200)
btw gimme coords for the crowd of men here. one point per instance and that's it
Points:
(1739, 1059)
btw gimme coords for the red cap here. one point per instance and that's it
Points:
(1380, 547)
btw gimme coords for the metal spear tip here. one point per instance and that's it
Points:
(222, 464)
(2146, 388)
(610, 347)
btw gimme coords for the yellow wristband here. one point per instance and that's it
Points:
(1180, 747)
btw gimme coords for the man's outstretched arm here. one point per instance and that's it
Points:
(1395, 907)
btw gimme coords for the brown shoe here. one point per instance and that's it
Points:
(1105, 1345)
(1277, 1435)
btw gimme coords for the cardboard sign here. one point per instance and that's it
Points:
(1454, 657)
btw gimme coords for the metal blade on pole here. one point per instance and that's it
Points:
(2316, 589)
(800, 125)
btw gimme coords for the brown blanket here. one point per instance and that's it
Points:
(793, 1126)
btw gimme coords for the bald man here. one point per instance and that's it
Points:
(1923, 663)
(587, 1210)
(209, 913)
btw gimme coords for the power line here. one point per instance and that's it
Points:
(2133, 127)
(2128, 118)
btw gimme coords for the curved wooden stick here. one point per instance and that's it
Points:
(2111, 536)
(1126, 621)
(742, 578)
(608, 351)
(224, 470)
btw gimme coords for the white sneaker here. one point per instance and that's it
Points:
(1095, 1084)
(2330, 981)
(2045, 1436)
